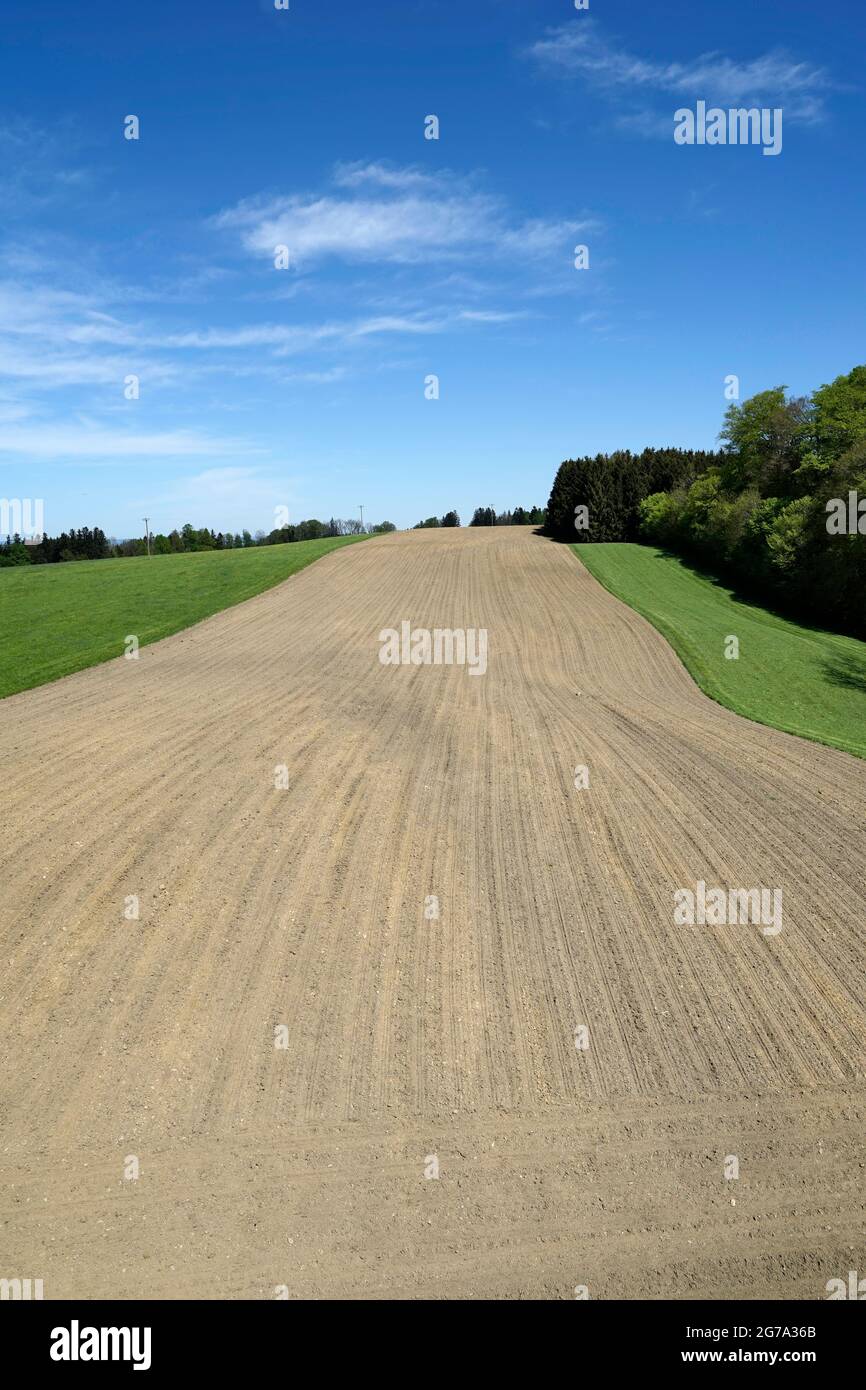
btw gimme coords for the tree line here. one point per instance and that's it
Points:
(488, 516)
(779, 511)
(598, 498)
(521, 516)
(91, 543)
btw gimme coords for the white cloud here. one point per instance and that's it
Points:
(284, 338)
(774, 79)
(384, 176)
(490, 316)
(47, 336)
(47, 370)
(52, 338)
(231, 483)
(95, 444)
(403, 216)
(406, 229)
(86, 339)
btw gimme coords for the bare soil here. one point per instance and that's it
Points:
(411, 1038)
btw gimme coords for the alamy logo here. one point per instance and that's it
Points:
(720, 907)
(855, 1288)
(20, 1290)
(24, 517)
(737, 126)
(76, 1343)
(846, 519)
(440, 647)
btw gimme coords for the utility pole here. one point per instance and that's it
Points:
(362, 517)
(147, 533)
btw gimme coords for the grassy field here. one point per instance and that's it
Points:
(60, 618)
(800, 679)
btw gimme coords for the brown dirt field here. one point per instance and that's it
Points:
(304, 1167)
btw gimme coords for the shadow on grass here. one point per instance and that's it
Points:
(747, 597)
(849, 672)
(756, 597)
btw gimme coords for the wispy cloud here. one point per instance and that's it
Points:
(87, 440)
(283, 338)
(491, 315)
(775, 78)
(390, 214)
(382, 175)
(431, 254)
(232, 483)
(36, 168)
(55, 338)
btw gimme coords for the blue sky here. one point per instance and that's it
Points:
(262, 387)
